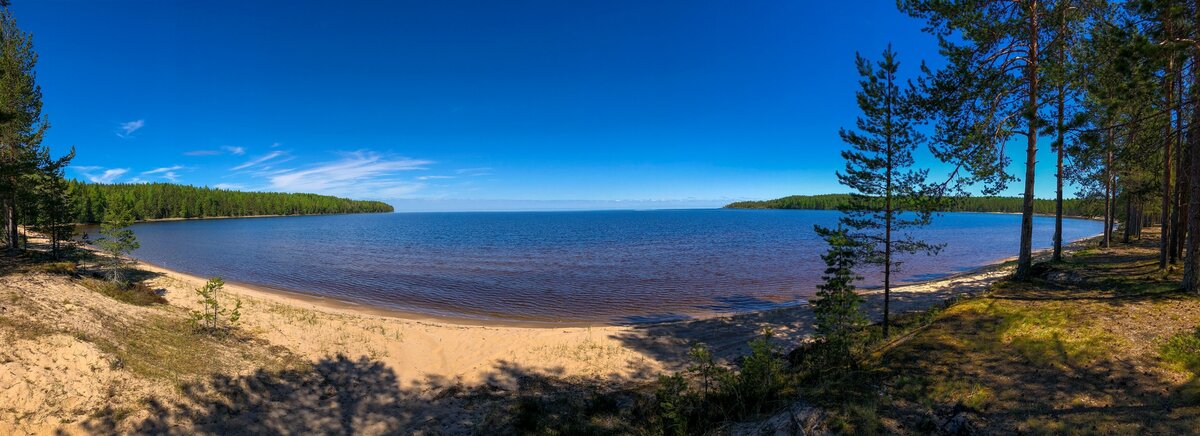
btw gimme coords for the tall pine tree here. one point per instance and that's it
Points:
(21, 122)
(990, 91)
(888, 195)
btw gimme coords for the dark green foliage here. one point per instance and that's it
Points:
(708, 394)
(53, 215)
(151, 201)
(1079, 207)
(839, 319)
(22, 126)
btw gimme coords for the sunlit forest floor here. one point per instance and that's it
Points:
(1103, 342)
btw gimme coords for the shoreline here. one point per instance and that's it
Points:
(1044, 215)
(352, 307)
(428, 350)
(347, 306)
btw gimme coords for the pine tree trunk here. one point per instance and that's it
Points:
(1108, 194)
(887, 206)
(1191, 268)
(10, 222)
(1179, 215)
(1058, 175)
(1165, 226)
(1025, 257)
(1191, 263)
(1129, 218)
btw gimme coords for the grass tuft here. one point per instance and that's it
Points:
(137, 294)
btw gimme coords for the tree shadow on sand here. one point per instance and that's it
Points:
(340, 395)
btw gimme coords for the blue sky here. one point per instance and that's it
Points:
(458, 105)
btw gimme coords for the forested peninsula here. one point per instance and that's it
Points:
(154, 201)
(1071, 207)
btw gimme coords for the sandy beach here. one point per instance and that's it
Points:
(447, 351)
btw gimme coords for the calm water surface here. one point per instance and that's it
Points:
(599, 266)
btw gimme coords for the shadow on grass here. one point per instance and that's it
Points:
(1047, 356)
(1032, 375)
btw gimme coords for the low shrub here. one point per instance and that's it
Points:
(708, 394)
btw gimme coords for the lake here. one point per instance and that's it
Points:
(594, 266)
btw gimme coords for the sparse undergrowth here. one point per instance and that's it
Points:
(136, 293)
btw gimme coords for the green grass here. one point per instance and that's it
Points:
(137, 294)
(1051, 334)
(163, 348)
(1182, 351)
(60, 268)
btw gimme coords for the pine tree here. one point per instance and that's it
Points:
(888, 195)
(990, 91)
(117, 241)
(838, 317)
(55, 203)
(21, 122)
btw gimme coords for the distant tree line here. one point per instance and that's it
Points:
(150, 201)
(1082, 207)
(36, 197)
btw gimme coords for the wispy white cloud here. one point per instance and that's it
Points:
(128, 128)
(435, 177)
(361, 174)
(259, 161)
(225, 149)
(229, 186)
(162, 170)
(96, 174)
(168, 173)
(469, 172)
(201, 153)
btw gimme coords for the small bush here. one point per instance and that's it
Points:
(136, 293)
(708, 394)
(757, 385)
(675, 404)
(213, 318)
